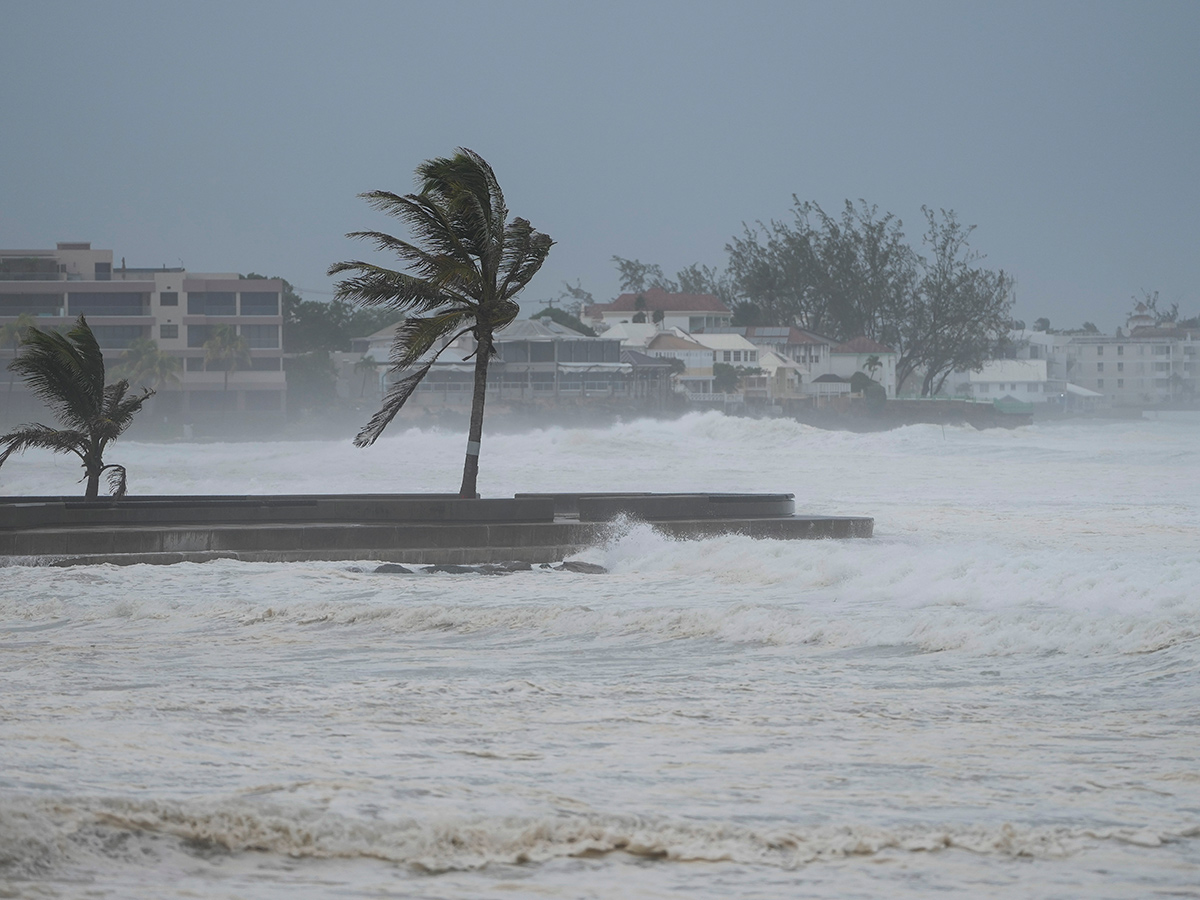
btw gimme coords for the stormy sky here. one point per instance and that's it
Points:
(235, 136)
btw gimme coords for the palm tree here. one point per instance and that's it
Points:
(467, 262)
(227, 350)
(366, 365)
(67, 373)
(873, 364)
(143, 362)
(12, 334)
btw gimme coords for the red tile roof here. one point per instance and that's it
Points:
(861, 344)
(657, 298)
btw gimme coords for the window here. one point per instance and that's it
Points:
(168, 332)
(261, 336)
(197, 335)
(169, 298)
(264, 364)
(983, 388)
(752, 356)
(1099, 350)
(1162, 350)
(212, 303)
(1120, 382)
(737, 355)
(103, 271)
(260, 303)
(1162, 367)
(1121, 367)
(1099, 367)
(117, 336)
(106, 304)
(728, 356)
(1120, 349)
(1099, 382)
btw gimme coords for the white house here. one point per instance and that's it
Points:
(730, 349)
(853, 356)
(697, 359)
(1020, 379)
(691, 312)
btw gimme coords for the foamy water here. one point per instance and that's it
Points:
(998, 695)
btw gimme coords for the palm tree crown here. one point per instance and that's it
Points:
(144, 363)
(466, 262)
(67, 372)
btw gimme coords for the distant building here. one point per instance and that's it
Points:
(691, 312)
(176, 309)
(697, 376)
(853, 356)
(1148, 366)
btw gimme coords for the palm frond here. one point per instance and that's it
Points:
(378, 286)
(65, 370)
(393, 400)
(116, 479)
(42, 437)
(524, 252)
(417, 335)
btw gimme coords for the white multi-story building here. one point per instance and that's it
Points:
(1145, 367)
(179, 310)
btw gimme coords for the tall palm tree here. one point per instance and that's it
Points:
(144, 363)
(466, 263)
(228, 350)
(67, 372)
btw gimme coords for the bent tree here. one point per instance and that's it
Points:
(466, 262)
(67, 372)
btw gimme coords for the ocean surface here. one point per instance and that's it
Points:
(996, 696)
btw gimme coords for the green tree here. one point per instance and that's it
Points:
(67, 372)
(957, 314)
(873, 365)
(227, 351)
(11, 335)
(1042, 324)
(467, 263)
(144, 363)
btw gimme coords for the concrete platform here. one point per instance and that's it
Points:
(420, 529)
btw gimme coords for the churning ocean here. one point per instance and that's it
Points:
(996, 696)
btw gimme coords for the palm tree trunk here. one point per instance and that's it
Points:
(471, 466)
(93, 485)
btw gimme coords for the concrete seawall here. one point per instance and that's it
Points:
(422, 529)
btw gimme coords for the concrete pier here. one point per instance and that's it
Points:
(416, 528)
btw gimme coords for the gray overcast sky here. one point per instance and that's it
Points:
(235, 136)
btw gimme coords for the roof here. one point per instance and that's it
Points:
(723, 341)
(641, 360)
(535, 330)
(638, 334)
(788, 334)
(657, 298)
(825, 379)
(667, 341)
(862, 344)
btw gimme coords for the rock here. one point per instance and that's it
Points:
(392, 569)
(451, 570)
(584, 568)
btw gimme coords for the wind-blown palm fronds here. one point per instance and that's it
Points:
(67, 372)
(465, 264)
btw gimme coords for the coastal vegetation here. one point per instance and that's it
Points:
(67, 372)
(852, 274)
(466, 263)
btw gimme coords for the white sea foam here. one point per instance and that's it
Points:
(1009, 670)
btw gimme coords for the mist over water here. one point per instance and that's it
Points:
(998, 694)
